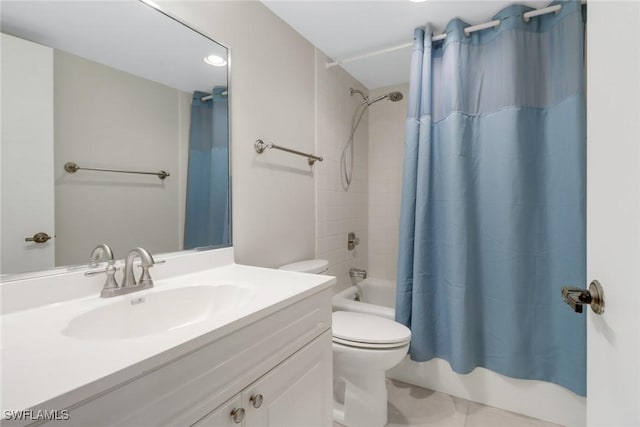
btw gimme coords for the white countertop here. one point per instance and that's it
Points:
(44, 369)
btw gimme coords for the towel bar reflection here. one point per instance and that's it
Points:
(72, 168)
(260, 146)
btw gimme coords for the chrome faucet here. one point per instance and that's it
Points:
(111, 287)
(145, 281)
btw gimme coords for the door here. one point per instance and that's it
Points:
(297, 392)
(613, 211)
(26, 154)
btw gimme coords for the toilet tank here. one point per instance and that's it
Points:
(312, 266)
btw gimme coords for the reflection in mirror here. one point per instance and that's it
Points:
(116, 88)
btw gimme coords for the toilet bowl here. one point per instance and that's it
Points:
(364, 347)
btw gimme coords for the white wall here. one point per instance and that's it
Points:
(106, 118)
(386, 156)
(273, 97)
(339, 211)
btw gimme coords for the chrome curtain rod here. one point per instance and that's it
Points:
(73, 168)
(467, 31)
(260, 146)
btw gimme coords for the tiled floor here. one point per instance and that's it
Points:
(411, 406)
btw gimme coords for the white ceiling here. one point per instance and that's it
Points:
(126, 35)
(346, 28)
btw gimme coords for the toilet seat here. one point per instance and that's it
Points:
(368, 331)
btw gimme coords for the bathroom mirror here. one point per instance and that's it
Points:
(114, 130)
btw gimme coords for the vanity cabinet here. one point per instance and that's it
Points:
(293, 394)
(285, 356)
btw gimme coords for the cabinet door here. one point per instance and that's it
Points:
(223, 416)
(297, 393)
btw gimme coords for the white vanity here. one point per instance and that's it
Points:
(211, 344)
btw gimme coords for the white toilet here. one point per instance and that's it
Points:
(364, 347)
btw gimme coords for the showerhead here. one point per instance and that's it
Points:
(393, 97)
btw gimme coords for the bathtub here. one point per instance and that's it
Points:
(370, 296)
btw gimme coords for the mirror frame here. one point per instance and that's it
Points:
(11, 277)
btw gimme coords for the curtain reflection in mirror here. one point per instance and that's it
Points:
(207, 207)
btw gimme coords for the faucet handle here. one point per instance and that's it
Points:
(352, 241)
(110, 285)
(145, 278)
(100, 271)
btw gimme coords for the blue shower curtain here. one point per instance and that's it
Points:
(207, 206)
(493, 206)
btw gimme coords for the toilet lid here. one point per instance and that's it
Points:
(313, 266)
(368, 329)
(370, 346)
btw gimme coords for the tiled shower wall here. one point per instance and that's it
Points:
(386, 149)
(339, 211)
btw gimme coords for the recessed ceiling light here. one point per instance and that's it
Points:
(215, 60)
(417, 1)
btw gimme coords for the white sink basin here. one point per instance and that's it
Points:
(157, 311)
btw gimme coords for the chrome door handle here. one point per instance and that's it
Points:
(577, 297)
(38, 238)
